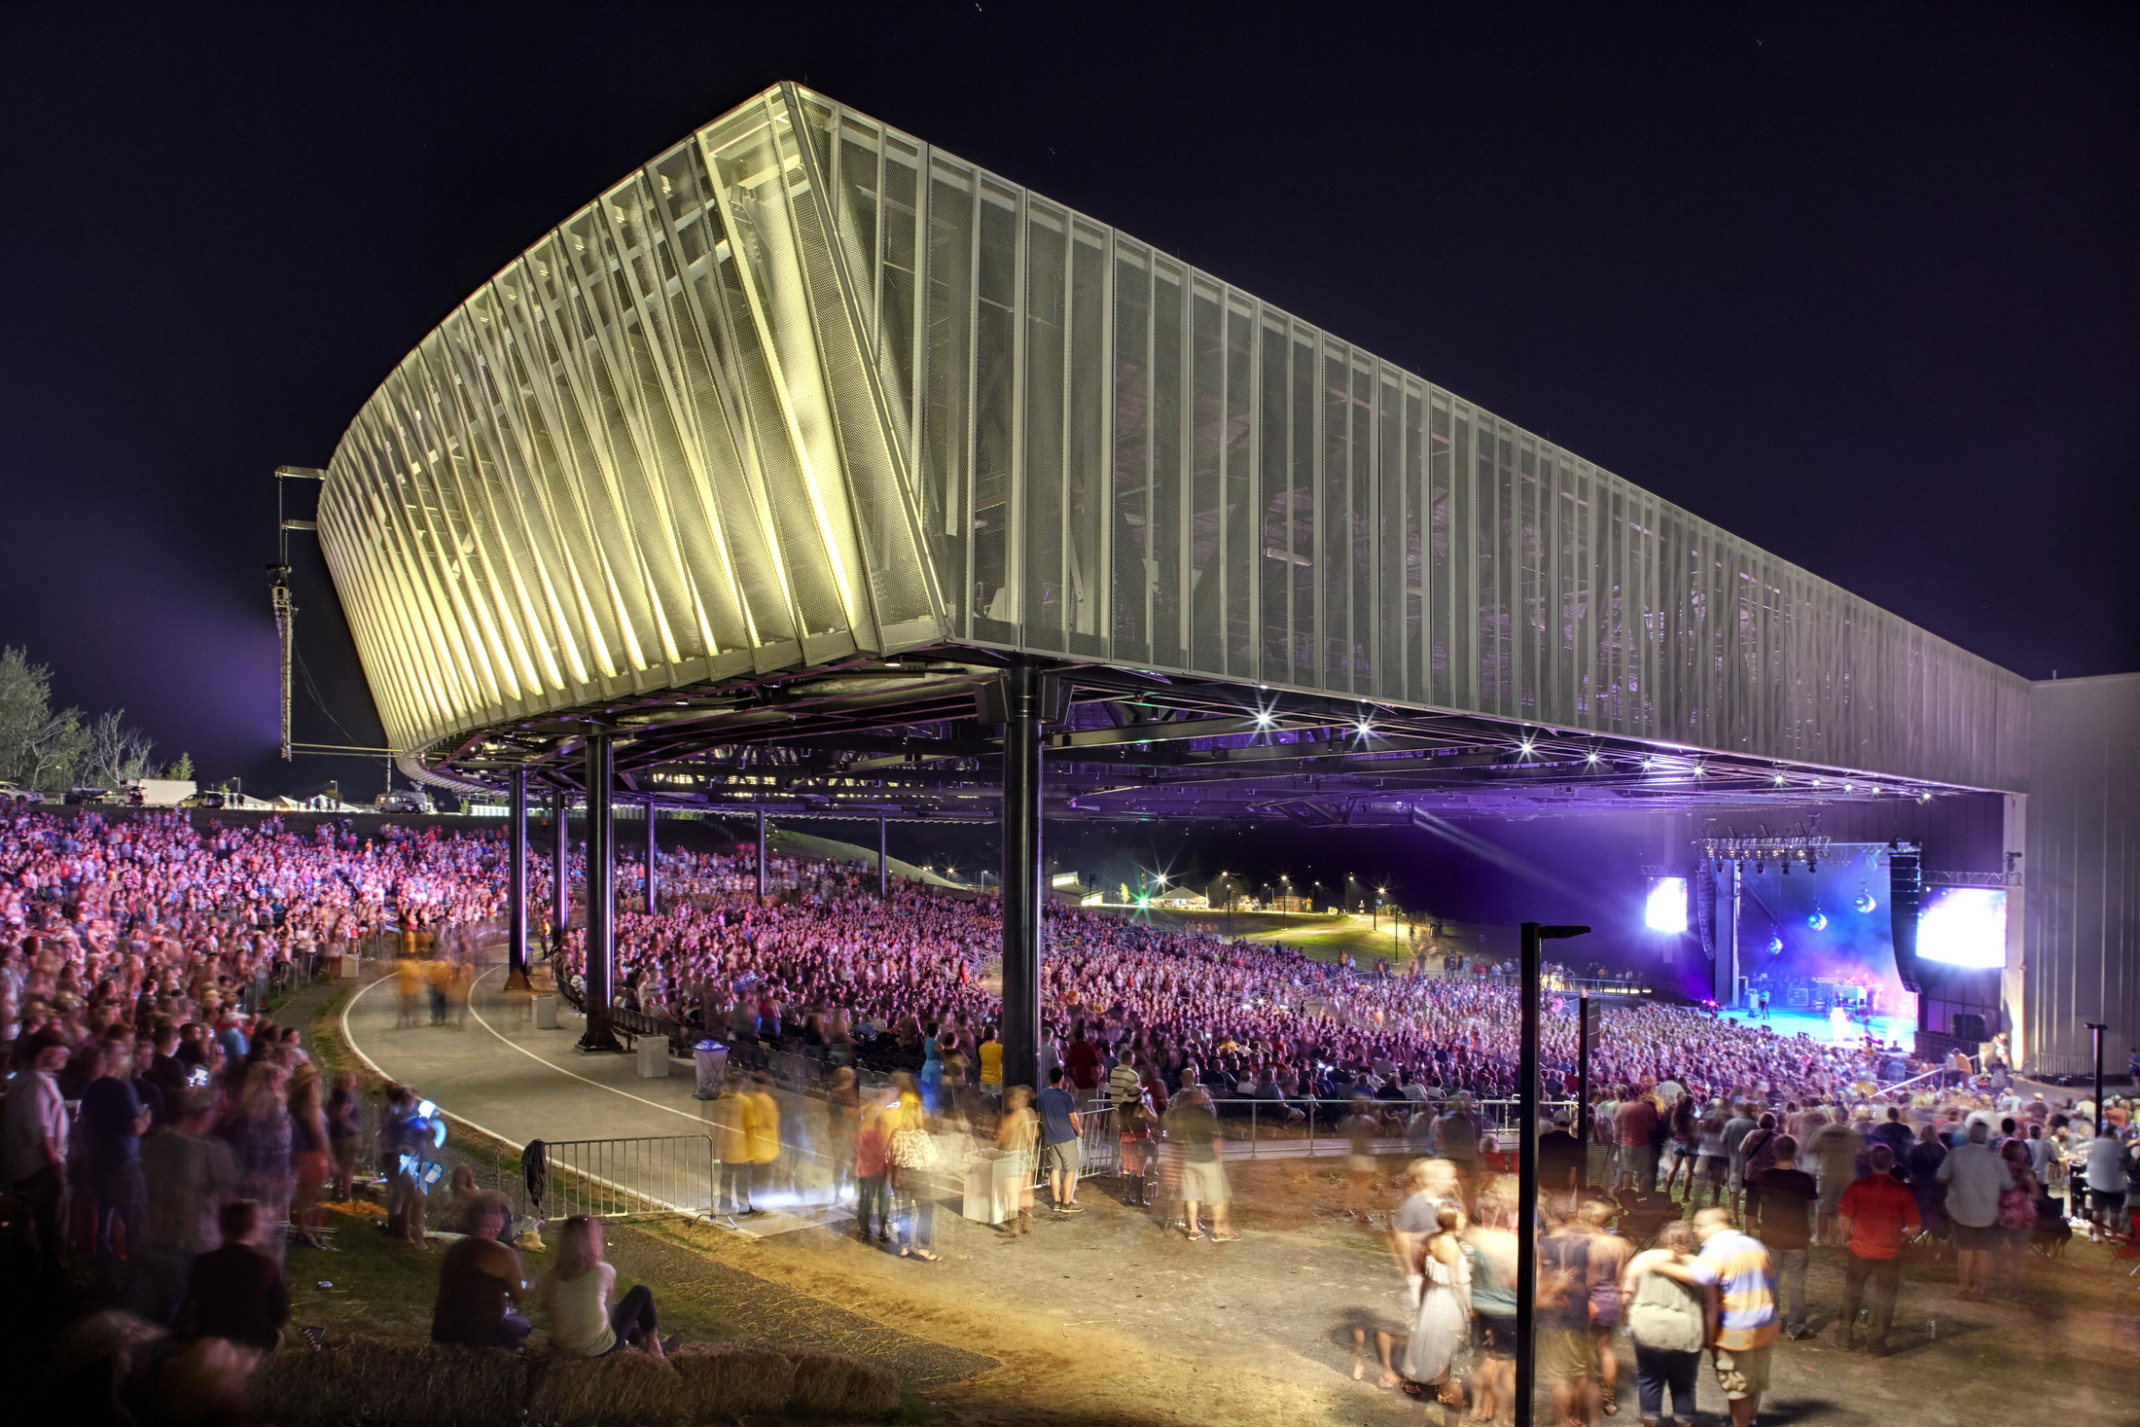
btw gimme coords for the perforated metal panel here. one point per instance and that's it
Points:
(803, 386)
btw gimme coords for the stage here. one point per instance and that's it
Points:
(1891, 1030)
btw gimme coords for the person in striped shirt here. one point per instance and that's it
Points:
(1124, 1085)
(1743, 1322)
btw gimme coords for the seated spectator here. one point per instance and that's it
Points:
(235, 1292)
(477, 1279)
(575, 1297)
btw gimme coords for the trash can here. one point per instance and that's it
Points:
(711, 1058)
(653, 1053)
(545, 1013)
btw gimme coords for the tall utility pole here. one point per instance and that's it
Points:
(279, 584)
(1534, 938)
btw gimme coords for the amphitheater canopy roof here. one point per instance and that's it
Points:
(799, 430)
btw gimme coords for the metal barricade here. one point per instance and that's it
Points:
(1302, 1126)
(1099, 1149)
(648, 1177)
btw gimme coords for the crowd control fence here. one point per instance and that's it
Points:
(646, 1177)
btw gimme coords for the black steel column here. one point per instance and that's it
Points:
(516, 887)
(1023, 881)
(1582, 1084)
(1534, 936)
(883, 885)
(560, 868)
(653, 816)
(761, 857)
(2096, 1029)
(601, 896)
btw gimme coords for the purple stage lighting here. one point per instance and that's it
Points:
(1666, 909)
(1963, 926)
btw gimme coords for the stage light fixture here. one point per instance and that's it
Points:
(1779, 780)
(1365, 728)
(1592, 756)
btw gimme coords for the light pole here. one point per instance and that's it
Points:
(2095, 1033)
(1534, 938)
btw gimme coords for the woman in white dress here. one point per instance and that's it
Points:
(1444, 1320)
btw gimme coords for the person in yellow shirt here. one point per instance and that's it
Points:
(762, 1126)
(991, 1053)
(409, 981)
(731, 1143)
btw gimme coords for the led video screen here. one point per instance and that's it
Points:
(1666, 909)
(1963, 926)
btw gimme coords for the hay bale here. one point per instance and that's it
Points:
(370, 1380)
(842, 1386)
(734, 1379)
(621, 1388)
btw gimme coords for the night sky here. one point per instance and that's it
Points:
(1861, 284)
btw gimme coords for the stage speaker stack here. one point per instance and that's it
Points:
(1701, 890)
(1905, 895)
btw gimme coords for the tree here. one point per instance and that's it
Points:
(116, 753)
(181, 768)
(38, 748)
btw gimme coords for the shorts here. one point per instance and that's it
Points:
(1060, 1158)
(1742, 1372)
(1564, 1355)
(1970, 1239)
(1203, 1182)
(1495, 1334)
(2106, 1201)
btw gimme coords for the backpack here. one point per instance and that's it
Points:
(1759, 1148)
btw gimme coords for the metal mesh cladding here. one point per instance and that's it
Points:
(803, 385)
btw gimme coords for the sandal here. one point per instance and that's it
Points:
(1196, 1234)
(1226, 1238)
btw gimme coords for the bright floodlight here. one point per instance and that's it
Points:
(1666, 910)
(1964, 926)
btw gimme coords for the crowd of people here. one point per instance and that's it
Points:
(164, 1131)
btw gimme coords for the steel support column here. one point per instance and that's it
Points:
(1023, 884)
(1582, 1086)
(761, 857)
(653, 820)
(516, 886)
(2095, 1035)
(1534, 937)
(560, 869)
(601, 896)
(883, 886)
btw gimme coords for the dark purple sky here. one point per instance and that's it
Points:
(1861, 284)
